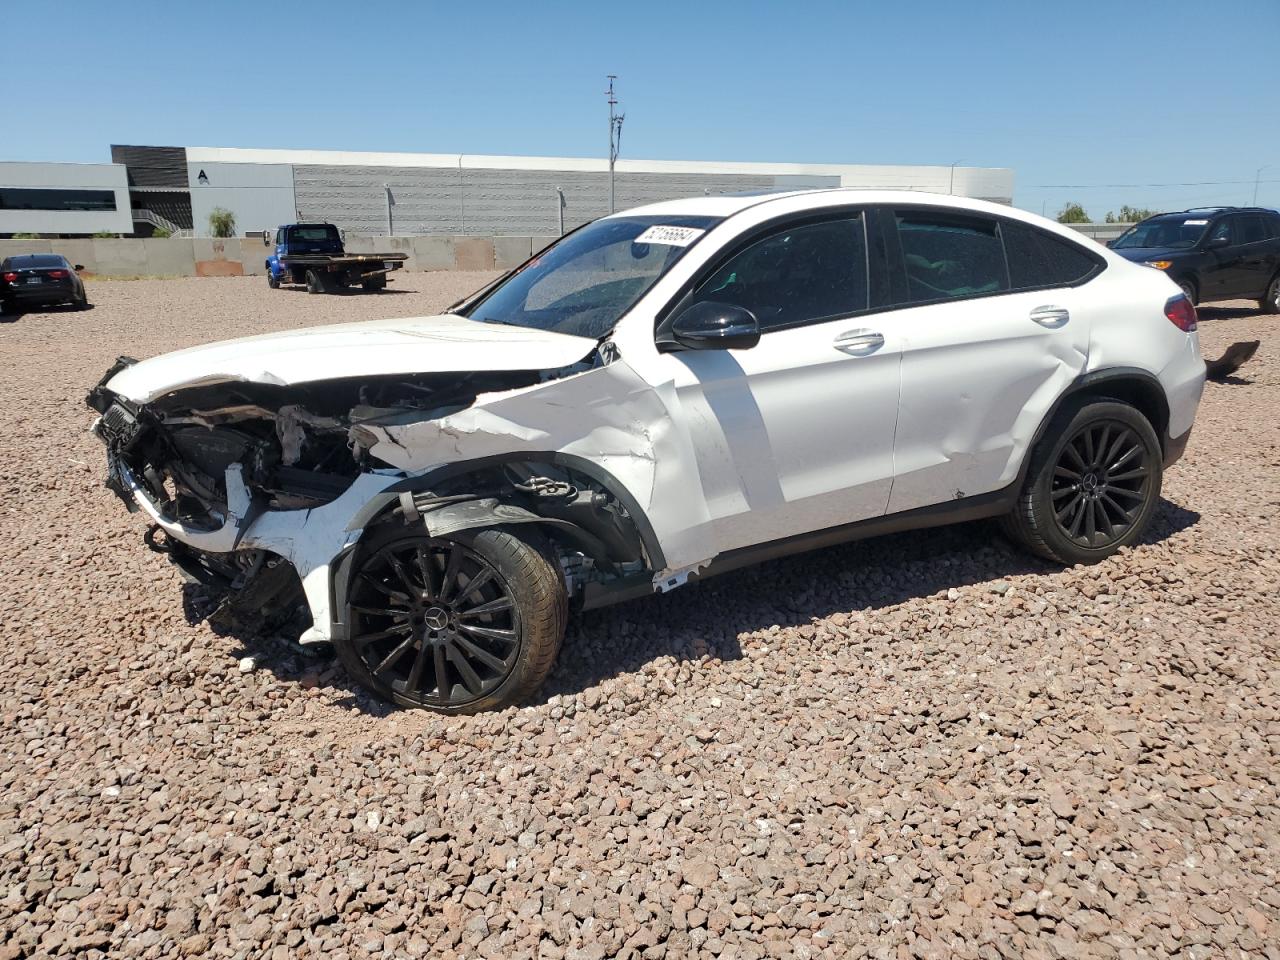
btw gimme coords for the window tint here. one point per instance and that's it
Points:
(947, 257)
(1223, 228)
(1039, 259)
(312, 234)
(1252, 229)
(36, 260)
(55, 198)
(1273, 227)
(799, 275)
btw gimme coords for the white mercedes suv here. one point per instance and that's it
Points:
(661, 395)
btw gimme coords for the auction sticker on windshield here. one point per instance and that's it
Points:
(671, 236)
(1195, 223)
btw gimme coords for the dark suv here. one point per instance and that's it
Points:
(1213, 253)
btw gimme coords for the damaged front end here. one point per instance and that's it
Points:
(238, 476)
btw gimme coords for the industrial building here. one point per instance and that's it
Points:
(64, 198)
(460, 195)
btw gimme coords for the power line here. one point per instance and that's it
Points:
(1136, 186)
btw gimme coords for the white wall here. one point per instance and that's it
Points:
(259, 194)
(88, 176)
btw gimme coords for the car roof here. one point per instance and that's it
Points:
(727, 206)
(34, 260)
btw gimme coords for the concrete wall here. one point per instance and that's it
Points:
(88, 176)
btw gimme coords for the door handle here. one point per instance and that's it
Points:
(859, 342)
(1050, 316)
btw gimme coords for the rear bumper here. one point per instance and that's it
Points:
(47, 293)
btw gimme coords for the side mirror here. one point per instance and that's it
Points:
(78, 267)
(713, 326)
(1109, 244)
(1217, 242)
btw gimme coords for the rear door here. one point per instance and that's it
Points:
(1257, 256)
(988, 344)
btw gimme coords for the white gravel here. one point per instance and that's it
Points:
(922, 746)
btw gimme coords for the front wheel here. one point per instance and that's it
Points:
(1092, 485)
(1270, 302)
(272, 282)
(460, 625)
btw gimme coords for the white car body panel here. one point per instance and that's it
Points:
(366, 349)
(721, 450)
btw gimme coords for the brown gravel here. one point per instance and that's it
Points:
(922, 746)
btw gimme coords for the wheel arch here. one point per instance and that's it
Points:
(381, 507)
(1138, 388)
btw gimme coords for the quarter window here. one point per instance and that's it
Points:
(1223, 229)
(803, 274)
(949, 257)
(1038, 259)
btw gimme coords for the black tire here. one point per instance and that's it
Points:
(1270, 302)
(1065, 519)
(1188, 287)
(401, 635)
(375, 285)
(272, 282)
(316, 283)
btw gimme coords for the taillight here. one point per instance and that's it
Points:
(10, 277)
(58, 274)
(1181, 313)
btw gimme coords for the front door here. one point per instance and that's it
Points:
(795, 434)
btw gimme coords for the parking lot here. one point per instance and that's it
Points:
(926, 745)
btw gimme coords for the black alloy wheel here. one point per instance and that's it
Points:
(435, 622)
(1101, 483)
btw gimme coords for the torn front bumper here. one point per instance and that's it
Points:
(310, 539)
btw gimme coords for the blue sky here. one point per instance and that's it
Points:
(1070, 95)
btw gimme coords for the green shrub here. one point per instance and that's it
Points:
(26, 236)
(105, 235)
(160, 233)
(222, 223)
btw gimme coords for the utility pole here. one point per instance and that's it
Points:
(1257, 178)
(615, 135)
(951, 187)
(386, 188)
(560, 207)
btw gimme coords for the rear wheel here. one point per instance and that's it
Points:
(460, 625)
(1188, 288)
(374, 284)
(1092, 485)
(1270, 302)
(316, 282)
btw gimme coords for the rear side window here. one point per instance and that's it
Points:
(947, 257)
(802, 274)
(1252, 229)
(1039, 259)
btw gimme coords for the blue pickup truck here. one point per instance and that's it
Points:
(313, 254)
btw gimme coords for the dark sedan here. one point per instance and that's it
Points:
(40, 279)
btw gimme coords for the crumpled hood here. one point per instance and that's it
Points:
(441, 344)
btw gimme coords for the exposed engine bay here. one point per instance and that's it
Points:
(236, 455)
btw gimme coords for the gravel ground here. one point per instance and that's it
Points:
(921, 746)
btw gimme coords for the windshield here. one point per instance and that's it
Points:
(586, 282)
(1179, 232)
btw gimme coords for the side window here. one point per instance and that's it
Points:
(800, 275)
(1223, 230)
(1039, 259)
(947, 257)
(1252, 229)
(1273, 228)
(279, 236)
